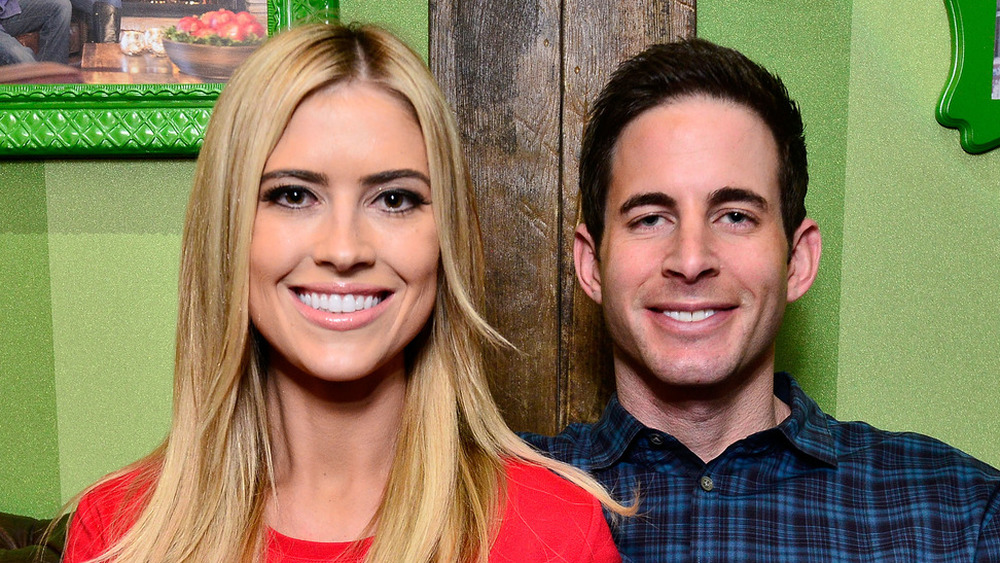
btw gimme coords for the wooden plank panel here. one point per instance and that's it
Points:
(499, 65)
(597, 36)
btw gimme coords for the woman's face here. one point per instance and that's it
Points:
(344, 254)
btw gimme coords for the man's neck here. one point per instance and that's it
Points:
(705, 421)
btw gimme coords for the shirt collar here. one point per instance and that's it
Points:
(613, 434)
(807, 428)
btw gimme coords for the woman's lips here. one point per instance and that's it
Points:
(341, 311)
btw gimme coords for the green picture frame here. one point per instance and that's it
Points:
(967, 101)
(90, 120)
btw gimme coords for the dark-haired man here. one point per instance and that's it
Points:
(695, 237)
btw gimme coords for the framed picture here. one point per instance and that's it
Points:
(970, 101)
(119, 118)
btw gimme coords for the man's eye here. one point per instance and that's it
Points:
(650, 221)
(736, 217)
(290, 196)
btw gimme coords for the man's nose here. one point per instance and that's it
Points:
(691, 255)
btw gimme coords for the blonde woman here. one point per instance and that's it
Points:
(329, 397)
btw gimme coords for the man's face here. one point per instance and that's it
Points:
(693, 271)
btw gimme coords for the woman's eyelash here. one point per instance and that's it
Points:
(401, 199)
(287, 195)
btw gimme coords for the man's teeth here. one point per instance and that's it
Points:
(337, 303)
(690, 316)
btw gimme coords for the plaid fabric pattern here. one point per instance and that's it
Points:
(811, 489)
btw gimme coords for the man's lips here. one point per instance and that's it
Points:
(690, 316)
(692, 313)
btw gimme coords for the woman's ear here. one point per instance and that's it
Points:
(803, 261)
(587, 262)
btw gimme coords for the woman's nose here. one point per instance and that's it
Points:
(345, 241)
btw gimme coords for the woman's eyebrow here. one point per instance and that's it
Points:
(390, 175)
(306, 175)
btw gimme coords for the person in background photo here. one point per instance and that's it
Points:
(50, 18)
(329, 396)
(694, 239)
(104, 19)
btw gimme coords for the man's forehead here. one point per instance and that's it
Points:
(695, 146)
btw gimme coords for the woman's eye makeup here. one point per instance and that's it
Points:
(398, 200)
(289, 196)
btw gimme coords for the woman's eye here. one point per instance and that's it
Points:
(290, 196)
(398, 201)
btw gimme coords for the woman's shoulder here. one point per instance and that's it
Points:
(530, 483)
(548, 518)
(105, 512)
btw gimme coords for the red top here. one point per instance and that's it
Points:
(546, 519)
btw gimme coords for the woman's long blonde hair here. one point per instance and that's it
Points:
(212, 475)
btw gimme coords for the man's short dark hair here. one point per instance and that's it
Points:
(693, 67)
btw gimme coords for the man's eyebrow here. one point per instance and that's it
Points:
(306, 175)
(649, 198)
(390, 175)
(730, 194)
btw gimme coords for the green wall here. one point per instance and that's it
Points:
(905, 318)
(901, 328)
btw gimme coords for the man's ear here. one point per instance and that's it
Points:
(803, 262)
(588, 266)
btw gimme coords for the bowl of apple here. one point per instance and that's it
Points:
(212, 45)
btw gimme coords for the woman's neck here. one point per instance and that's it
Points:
(333, 445)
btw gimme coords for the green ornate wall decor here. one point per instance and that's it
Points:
(68, 120)
(970, 101)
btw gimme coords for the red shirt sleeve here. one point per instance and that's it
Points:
(547, 518)
(104, 515)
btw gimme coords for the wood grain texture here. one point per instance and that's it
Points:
(520, 76)
(498, 63)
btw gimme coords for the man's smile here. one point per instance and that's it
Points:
(690, 316)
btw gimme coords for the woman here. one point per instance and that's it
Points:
(329, 400)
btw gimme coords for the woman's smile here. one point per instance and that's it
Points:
(342, 311)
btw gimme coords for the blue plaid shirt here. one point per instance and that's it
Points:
(811, 489)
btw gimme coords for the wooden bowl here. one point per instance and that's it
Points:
(209, 62)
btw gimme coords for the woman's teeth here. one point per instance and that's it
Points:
(337, 303)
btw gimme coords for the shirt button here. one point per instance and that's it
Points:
(706, 483)
(656, 440)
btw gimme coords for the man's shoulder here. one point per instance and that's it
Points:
(921, 456)
(574, 445)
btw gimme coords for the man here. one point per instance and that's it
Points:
(50, 18)
(695, 236)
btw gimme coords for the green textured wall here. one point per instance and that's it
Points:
(89, 270)
(904, 321)
(29, 449)
(920, 303)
